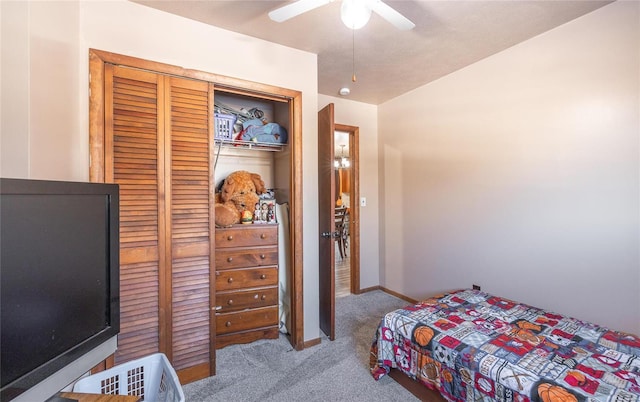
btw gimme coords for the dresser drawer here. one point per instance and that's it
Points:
(240, 258)
(245, 278)
(247, 336)
(248, 319)
(247, 236)
(234, 301)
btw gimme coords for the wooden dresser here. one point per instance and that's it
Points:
(246, 283)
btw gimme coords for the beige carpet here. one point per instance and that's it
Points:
(271, 370)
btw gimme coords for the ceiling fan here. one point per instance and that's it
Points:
(354, 13)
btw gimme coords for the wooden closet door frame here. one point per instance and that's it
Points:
(97, 61)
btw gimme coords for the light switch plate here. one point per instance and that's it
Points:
(363, 201)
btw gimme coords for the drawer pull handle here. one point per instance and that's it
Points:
(229, 259)
(263, 236)
(230, 302)
(264, 297)
(229, 237)
(263, 276)
(255, 296)
(262, 256)
(230, 280)
(227, 324)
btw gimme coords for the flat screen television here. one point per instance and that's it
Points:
(59, 283)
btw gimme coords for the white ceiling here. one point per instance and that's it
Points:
(448, 36)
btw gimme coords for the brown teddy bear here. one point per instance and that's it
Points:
(239, 192)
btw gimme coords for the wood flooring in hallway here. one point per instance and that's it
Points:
(343, 274)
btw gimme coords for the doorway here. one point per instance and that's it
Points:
(346, 261)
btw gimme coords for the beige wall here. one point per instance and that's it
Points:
(48, 136)
(363, 116)
(15, 86)
(521, 173)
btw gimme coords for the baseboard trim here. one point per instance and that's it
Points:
(372, 288)
(391, 292)
(398, 295)
(311, 343)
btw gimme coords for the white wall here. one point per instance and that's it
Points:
(363, 116)
(49, 125)
(521, 173)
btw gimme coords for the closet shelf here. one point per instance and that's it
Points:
(257, 146)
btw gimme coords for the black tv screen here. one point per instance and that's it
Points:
(59, 283)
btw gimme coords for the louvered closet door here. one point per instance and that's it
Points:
(133, 159)
(189, 153)
(157, 147)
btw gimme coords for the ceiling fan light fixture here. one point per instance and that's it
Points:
(342, 162)
(355, 13)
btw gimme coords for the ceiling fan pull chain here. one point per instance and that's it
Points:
(353, 54)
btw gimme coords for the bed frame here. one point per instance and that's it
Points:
(418, 390)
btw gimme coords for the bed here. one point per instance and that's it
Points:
(471, 345)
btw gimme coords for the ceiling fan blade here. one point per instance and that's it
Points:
(395, 18)
(296, 8)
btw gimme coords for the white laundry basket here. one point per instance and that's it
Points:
(152, 378)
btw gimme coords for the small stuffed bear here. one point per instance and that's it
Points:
(239, 192)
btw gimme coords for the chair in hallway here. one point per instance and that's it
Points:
(342, 229)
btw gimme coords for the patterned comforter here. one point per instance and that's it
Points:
(470, 345)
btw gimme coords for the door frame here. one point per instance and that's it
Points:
(97, 61)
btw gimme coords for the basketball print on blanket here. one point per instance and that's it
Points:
(422, 335)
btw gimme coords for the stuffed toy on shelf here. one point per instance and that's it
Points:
(239, 192)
